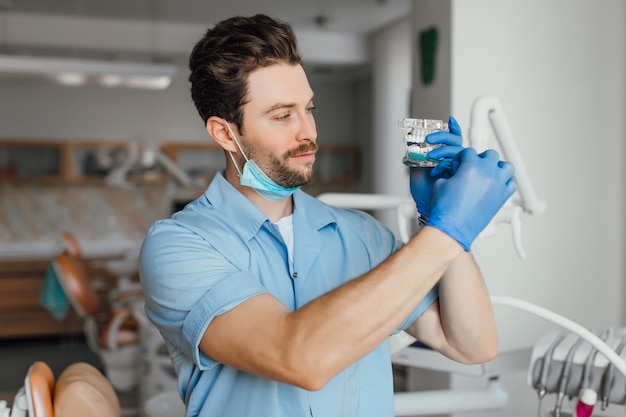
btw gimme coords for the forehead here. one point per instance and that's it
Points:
(277, 84)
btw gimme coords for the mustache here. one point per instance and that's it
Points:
(304, 148)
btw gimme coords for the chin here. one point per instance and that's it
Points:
(302, 177)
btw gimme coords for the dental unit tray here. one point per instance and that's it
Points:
(564, 364)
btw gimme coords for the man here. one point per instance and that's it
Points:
(274, 304)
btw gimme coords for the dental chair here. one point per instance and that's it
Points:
(130, 346)
(110, 328)
(80, 391)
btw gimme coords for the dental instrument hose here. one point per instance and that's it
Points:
(566, 323)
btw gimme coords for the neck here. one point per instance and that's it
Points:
(274, 210)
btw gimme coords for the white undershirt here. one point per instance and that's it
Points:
(285, 226)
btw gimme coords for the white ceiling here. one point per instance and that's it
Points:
(345, 16)
(332, 33)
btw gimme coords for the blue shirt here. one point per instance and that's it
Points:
(221, 250)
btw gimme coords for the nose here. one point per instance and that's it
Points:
(307, 129)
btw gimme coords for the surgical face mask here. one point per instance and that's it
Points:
(254, 177)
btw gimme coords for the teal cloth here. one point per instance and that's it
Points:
(52, 296)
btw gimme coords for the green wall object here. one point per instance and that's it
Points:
(427, 41)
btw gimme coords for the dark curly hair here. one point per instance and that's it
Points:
(221, 61)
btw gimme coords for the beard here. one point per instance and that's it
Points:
(277, 168)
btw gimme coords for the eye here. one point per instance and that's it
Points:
(310, 109)
(283, 117)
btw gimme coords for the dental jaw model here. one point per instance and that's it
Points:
(414, 133)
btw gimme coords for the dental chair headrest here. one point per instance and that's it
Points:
(73, 276)
(82, 391)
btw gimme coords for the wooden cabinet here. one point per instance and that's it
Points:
(335, 164)
(199, 160)
(93, 160)
(90, 161)
(53, 161)
(32, 160)
(21, 283)
(21, 314)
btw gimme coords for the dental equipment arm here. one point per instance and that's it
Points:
(486, 115)
(567, 324)
(148, 155)
(493, 397)
(405, 207)
(174, 169)
(117, 176)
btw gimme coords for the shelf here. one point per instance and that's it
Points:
(21, 314)
(90, 161)
(197, 159)
(28, 160)
(54, 161)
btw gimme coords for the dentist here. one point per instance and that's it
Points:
(275, 304)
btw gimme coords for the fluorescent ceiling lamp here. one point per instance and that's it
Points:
(74, 71)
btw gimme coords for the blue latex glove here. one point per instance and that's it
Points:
(422, 184)
(422, 179)
(464, 203)
(454, 144)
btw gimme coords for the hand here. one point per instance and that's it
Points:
(453, 141)
(464, 204)
(421, 183)
(422, 179)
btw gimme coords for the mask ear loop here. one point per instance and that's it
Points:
(232, 135)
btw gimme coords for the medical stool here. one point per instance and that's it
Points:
(165, 404)
(80, 391)
(157, 375)
(111, 330)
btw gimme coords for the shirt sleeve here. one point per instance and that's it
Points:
(186, 283)
(426, 302)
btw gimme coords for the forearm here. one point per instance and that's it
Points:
(312, 344)
(347, 323)
(464, 326)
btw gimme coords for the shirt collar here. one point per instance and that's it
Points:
(247, 219)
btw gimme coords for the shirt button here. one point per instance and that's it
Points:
(295, 275)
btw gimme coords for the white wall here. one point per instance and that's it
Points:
(40, 110)
(35, 109)
(391, 69)
(559, 70)
(432, 101)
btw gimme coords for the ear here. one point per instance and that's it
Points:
(216, 128)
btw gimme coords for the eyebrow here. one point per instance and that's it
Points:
(283, 106)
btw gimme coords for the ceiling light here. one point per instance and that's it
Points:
(74, 71)
(70, 78)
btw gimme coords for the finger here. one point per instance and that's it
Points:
(511, 186)
(507, 167)
(444, 138)
(454, 126)
(446, 168)
(466, 153)
(449, 151)
(490, 154)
